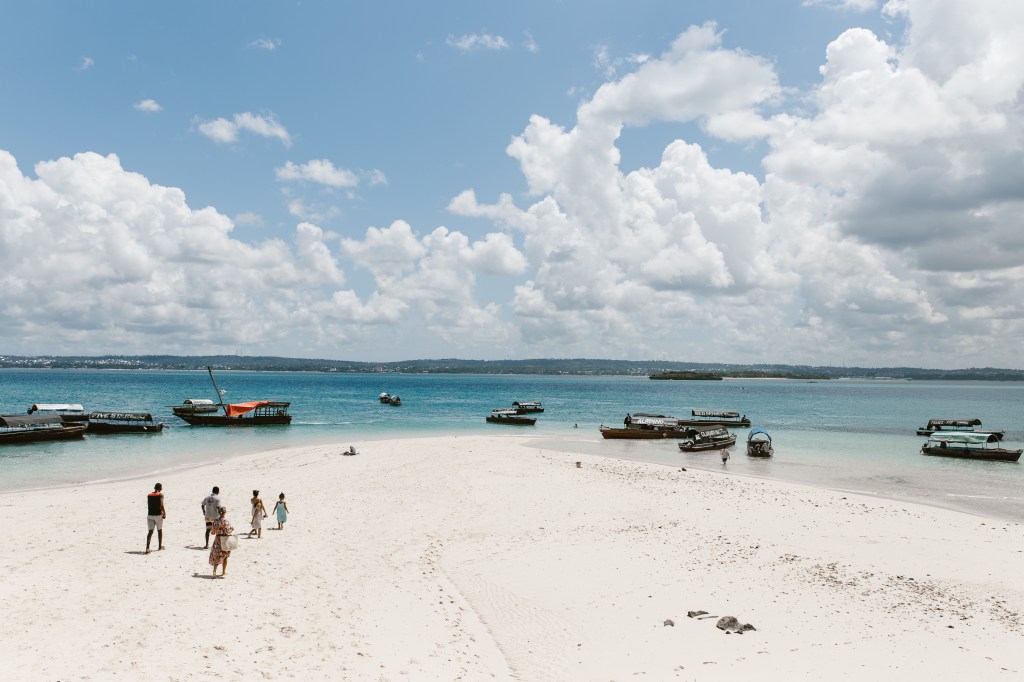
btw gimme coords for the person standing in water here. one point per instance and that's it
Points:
(281, 509)
(156, 515)
(725, 455)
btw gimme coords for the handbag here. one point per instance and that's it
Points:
(228, 542)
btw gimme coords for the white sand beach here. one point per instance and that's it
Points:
(490, 558)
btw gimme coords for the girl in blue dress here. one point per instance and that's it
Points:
(281, 508)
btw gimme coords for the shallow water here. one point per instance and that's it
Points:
(849, 435)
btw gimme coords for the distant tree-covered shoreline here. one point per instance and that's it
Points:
(545, 366)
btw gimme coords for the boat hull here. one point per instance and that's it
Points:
(701, 447)
(638, 434)
(728, 423)
(66, 432)
(989, 454)
(100, 427)
(221, 420)
(511, 421)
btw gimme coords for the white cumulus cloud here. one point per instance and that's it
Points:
(227, 130)
(148, 105)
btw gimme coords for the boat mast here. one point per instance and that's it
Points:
(220, 396)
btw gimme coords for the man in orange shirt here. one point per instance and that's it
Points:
(157, 514)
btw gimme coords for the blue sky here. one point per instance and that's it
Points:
(710, 181)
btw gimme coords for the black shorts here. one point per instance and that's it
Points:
(209, 523)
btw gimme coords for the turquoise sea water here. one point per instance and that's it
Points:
(849, 435)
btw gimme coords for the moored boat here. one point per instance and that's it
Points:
(68, 412)
(20, 428)
(759, 443)
(643, 426)
(389, 399)
(968, 425)
(716, 418)
(698, 438)
(966, 445)
(527, 406)
(508, 415)
(252, 413)
(123, 422)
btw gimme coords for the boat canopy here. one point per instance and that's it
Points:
(499, 411)
(526, 403)
(238, 409)
(706, 431)
(55, 407)
(121, 416)
(969, 438)
(720, 414)
(197, 401)
(21, 420)
(757, 431)
(650, 420)
(936, 423)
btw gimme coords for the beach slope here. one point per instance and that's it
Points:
(492, 558)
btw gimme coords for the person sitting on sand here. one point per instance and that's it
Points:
(259, 512)
(221, 527)
(157, 514)
(281, 509)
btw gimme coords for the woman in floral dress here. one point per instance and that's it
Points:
(221, 526)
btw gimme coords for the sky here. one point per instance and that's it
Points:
(822, 182)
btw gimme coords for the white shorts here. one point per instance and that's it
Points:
(156, 521)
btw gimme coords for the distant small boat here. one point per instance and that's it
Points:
(21, 428)
(759, 443)
(698, 438)
(508, 415)
(195, 406)
(123, 422)
(956, 426)
(527, 406)
(68, 412)
(967, 445)
(389, 399)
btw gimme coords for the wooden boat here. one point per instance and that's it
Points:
(68, 412)
(966, 445)
(123, 422)
(759, 443)
(956, 426)
(698, 438)
(195, 406)
(31, 428)
(716, 418)
(252, 413)
(643, 426)
(508, 415)
(389, 399)
(527, 406)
